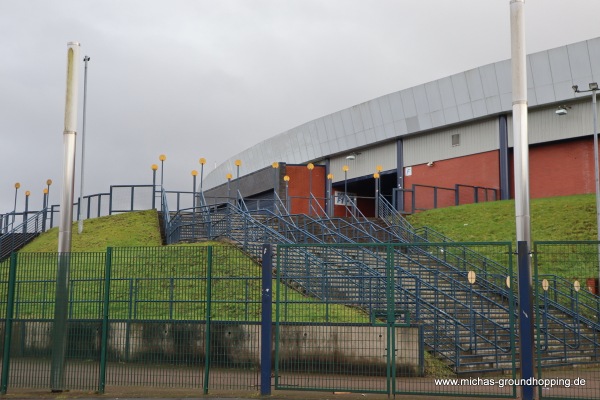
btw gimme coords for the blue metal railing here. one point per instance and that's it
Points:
(296, 231)
(22, 234)
(559, 331)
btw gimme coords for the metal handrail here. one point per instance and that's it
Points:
(22, 234)
(458, 323)
(391, 215)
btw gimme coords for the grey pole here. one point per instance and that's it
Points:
(80, 224)
(59, 340)
(595, 114)
(523, 224)
(594, 88)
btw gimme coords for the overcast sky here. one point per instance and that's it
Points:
(211, 78)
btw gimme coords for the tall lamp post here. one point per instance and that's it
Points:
(48, 183)
(45, 204)
(228, 176)
(162, 159)
(378, 168)
(275, 166)
(329, 194)
(27, 193)
(194, 174)
(593, 87)
(237, 177)
(345, 169)
(310, 167)
(17, 186)
(202, 162)
(45, 201)
(154, 168)
(81, 181)
(287, 198)
(376, 176)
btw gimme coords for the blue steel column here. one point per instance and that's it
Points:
(400, 174)
(266, 320)
(503, 155)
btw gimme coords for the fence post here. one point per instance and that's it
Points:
(110, 201)
(8, 322)
(131, 204)
(208, 311)
(456, 194)
(391, 320)
(266, 320)
(526, 327)
(103, 345)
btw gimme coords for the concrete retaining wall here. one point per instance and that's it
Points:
(305, 347)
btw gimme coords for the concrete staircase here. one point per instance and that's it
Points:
(467, 325)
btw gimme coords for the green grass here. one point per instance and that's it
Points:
(554, 218)
(155, 282)
(568, 218)
(123, 230)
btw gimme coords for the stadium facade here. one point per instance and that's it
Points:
(443, 142)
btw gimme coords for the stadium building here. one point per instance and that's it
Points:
(441, 143)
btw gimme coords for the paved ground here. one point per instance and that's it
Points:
(128, 383)
(175, 394)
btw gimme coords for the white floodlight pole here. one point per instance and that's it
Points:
(80, 224)
(523, 222)
(59, 342)
(69, 146)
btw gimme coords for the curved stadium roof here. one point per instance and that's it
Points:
(474, 94)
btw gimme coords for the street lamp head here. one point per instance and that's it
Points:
(229, 176)
(376, 175)
(45, 191)
(86, 58)
(238, 163)
(286, 178)
(154, 167)
(27, 193)
(345, 168)
(49, 182)
(330, 177)
(275, 165)
(162, 157)
(379, 168)
(203, 161)
(310, 166)
(194, 172)
(575, 88)
(17, 185)
(594, 86)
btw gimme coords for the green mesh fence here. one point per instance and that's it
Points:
(33, 320)
(418, 319)
(568, 316)
(402, 319)
(182, 317)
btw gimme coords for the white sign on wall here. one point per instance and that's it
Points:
(408, 171)
(340, 200)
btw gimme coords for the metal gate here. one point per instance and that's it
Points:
(396, 319)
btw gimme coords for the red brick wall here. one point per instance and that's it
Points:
(298, 187)
(481, 169)
(561, 169)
